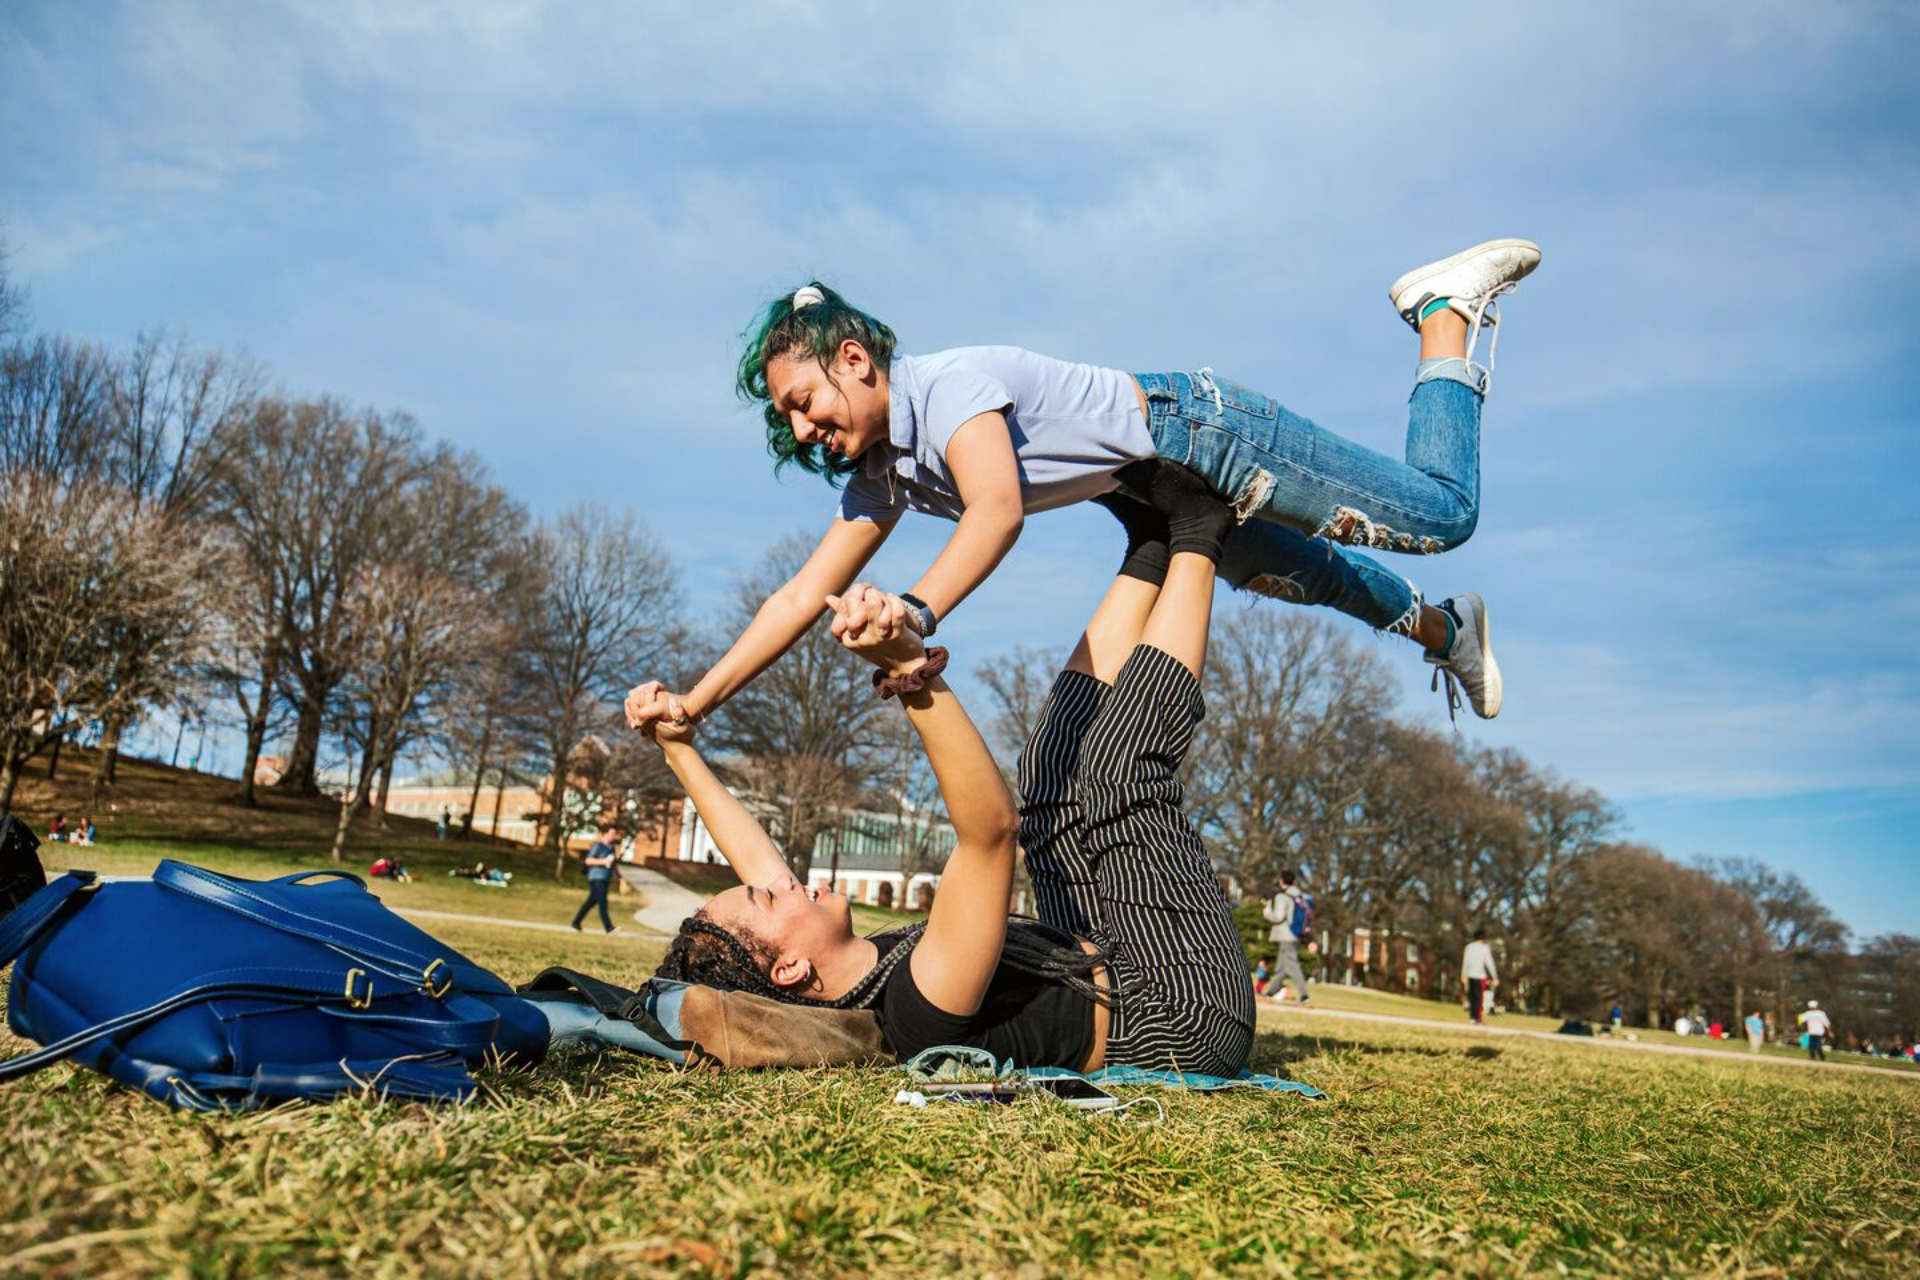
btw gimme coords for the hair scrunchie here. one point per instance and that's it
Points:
(913, 681)
(806, 296)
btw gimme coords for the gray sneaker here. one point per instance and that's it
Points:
(1468, 664)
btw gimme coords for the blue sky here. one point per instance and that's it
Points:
(540, 227)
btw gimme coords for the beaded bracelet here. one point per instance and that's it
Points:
(912, 681)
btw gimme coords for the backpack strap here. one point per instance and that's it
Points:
(430, 973)
(26, 922)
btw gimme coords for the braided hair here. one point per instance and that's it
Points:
(711, 955)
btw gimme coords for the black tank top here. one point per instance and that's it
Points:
(1026, 1019)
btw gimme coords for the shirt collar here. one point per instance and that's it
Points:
(901, 427)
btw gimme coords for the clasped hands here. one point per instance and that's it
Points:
(866, 620)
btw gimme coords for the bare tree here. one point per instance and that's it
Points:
(78, 562)
(451, 540)
(602, 606)
(309, 491)
(905, 788)
(1285, 754)
(168, 405)
(415, 626)
(1017, 682)
(13, 296)
(1800, 931)
(1565, 824)
(803, 729)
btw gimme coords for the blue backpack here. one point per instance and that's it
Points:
(1302, 922)
(210, 992)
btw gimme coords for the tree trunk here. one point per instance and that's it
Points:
(479, 771)
(9, 778)
(53, 761)
(257, 729)
(369, 762)
(552, 837)
(386, 785)
(340, 831)
(107, 766)
(499, 798)
(303, 765)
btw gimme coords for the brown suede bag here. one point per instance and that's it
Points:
(736, 1029)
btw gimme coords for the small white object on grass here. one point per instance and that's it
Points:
(911, 1097)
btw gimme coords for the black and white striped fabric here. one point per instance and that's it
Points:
(1113, 858)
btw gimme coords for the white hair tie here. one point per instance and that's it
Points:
(807, 296)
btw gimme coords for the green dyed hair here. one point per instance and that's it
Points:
(814, 331)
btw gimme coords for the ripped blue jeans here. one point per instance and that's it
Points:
(1304, 494)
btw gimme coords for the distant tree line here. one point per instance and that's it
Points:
(1418, 837)
(179, 535)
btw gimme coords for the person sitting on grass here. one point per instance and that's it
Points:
(1134, 961)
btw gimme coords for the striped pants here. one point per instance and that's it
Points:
(1114, 859)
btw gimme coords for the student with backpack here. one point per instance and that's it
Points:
(1290, 912)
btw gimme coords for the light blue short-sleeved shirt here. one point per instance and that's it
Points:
(1073, 426)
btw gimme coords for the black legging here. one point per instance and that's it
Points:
(1114, 859)
(596, 896)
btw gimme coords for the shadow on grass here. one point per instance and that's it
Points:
(1273, 1050)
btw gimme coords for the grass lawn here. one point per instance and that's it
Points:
(1438, 1152)
(1362, 1000)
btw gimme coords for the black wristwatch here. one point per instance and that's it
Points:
(921, 614)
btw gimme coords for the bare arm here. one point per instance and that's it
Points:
(981, 460)
(844, 550)
(743, 842)
(968, 925)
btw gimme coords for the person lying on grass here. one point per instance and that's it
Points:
(1134, 960)
(986, 436)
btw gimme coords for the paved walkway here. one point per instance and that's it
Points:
(1601, 1042)
(667, 903)
(503, 922)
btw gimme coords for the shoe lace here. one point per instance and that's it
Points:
(1486, 314)
(1443, 669)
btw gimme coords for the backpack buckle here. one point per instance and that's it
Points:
(363, 1000)
(443, 986)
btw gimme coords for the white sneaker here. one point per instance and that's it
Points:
(1468, 664)
(1470, 280)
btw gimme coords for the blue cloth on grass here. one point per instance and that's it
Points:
(956, 1062)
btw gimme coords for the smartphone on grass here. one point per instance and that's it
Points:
(1075, 1092)
(1081, 1094)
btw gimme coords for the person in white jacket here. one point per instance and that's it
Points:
(1478, 975)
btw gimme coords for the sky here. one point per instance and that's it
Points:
(540, 228)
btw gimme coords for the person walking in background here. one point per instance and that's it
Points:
(1819, 1027)
(1616, 1015)
(599, 860)
(1290, 912)
(1756, 1031)
(446, 820)
(1478, 975)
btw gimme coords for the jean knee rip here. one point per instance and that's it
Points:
(1277, 586)
(1253, 495)
(1358, 529)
